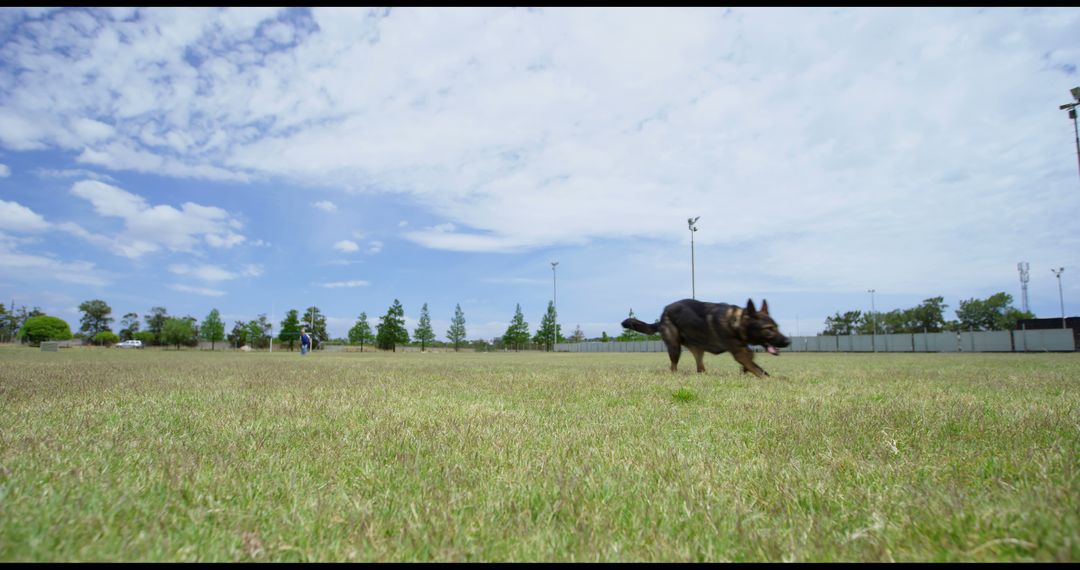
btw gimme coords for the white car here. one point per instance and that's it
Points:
(130, 344)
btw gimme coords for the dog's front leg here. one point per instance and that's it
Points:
(745, 357)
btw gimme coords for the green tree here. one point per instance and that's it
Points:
(578, 336)
(290, 328)
(258, 332)
(604, 337)
(990, 314)
(517, 334)
(129, 326)
(1010, 317)
(456, 332)
(212, 328)
(7, 332)
(7, 323)
(146, 337)
(842, 324)
(391, 328)
(238, 336)
(868, 323)
(928, 316)
(423, 332)
(155, 322)
(361, 332)
(17, 317)
(177, 331)
(13, 319)
(41, 328)
(195, 334)
(315, 323)
(545, 333)
(95, 317)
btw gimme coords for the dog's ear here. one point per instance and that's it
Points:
(750, 310)
(764, 307)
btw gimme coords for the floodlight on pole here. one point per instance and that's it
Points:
(873, 317)
(554, 304)
(690, 222)
(1075, 92)
(1061, 297)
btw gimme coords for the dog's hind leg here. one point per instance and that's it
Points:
(674, 352)
(674, 349)
(745, 357)
(699, 356)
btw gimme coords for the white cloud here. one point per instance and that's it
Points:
(325, 205)
(214, 273)
(73, 173)
(34, 267)
(159, 226)
(226, 240)
(375, 246)
(109, 200)
(4, 171)
(346, 246)
(15, 217)
(197, 290)
(340, 284)
(91, 131)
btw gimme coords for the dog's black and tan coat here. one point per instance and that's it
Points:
(716, 328)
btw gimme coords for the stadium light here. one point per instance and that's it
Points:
(690, 222)
(1061, 298)
(1075, 91)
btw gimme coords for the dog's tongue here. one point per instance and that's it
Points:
(772, 350)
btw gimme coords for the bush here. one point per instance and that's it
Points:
(106, 338)
(38, 329)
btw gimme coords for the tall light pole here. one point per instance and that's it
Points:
(873, 315)
(1075, 91)
(1061, 298)
(690, 222)
(555, 303)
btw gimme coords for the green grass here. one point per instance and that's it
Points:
(111, 455)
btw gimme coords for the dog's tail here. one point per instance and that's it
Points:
(641, 327)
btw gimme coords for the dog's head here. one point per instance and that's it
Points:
(759, 328)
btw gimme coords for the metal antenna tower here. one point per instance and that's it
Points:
(1023, 267)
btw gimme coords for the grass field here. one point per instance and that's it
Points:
(111, 455)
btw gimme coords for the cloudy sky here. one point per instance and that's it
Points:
(257, 160)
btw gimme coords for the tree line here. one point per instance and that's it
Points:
(159, 328)
(995, 313)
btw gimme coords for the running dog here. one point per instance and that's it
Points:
(716, 328)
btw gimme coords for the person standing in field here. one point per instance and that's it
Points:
(305, 342)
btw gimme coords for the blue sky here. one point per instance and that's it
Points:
(257, 160)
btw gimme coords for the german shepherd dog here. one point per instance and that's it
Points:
(716, 328)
